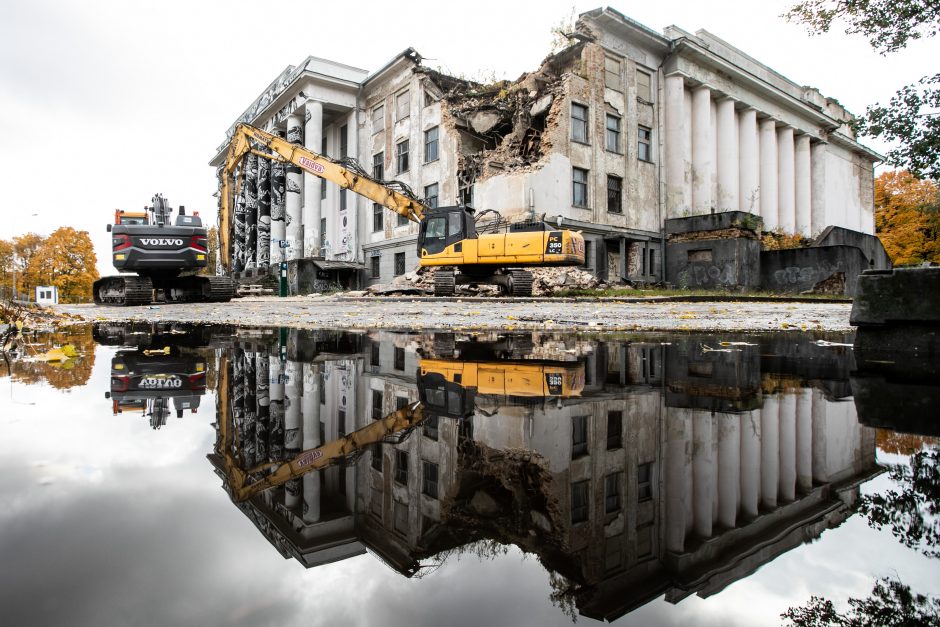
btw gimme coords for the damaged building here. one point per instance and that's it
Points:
(619, 135)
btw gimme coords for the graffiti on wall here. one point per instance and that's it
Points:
(708, 275)
(264, 213)
(805, 275)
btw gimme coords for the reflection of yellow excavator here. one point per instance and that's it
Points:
(448, 236)
(445, 387)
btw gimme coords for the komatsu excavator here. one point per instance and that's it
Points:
(164, 256)
(448, 238)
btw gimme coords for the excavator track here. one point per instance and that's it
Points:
(220, 289)
(123, 291)
(520, 283)
(444, 283)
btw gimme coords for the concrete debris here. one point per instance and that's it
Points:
(549, 281)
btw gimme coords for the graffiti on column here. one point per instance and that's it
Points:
(251, 210)
(278, 204)
(251, 391)
(264, 212)
(293, 201)
(238, 231)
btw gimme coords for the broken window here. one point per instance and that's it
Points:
(429, 479)
(430, 427)
(377, 465)
(587, 253)
(579, 187)
(644, 147)
(612, 74)
(614, 430)
(429, 98)
(402, 105)
(378, 219)
(579, 122)
(612, 492)
(430, 144)
(401, 466)
(399, 351)
(644, 86)
(401, 156)
(378, 166)
(430, 195)
(399, 269)
(652, 265)
(376, 265)
(579, 436)
(377, 410)
(342, 199)
(613, 133)
(376, 353)
(402, 220)
(401, 402)
(378, 119)
(614, 194)
(579, 500)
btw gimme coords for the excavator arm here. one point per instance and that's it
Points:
(249, 139)
(246, 483)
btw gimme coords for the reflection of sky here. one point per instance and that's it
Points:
(107, 522)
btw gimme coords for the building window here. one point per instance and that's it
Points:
(343, 141)
(402, 105)
(401, 156)
(323, 181)
(580, 490)
(612, 74)
(613, 134)
(614, 430)
(652, 266)
(401, 466)
(377, 465)
(399, 264)
(378, 119)
(644, 482)
(430, 195)
(579, 187)
(378, 166)
(429, 98)
(399, 358)
(579, 436)
(378, 218)
(401, 517)
(579, 123)
(342, 199)
(429, 479)
(614, 194)
(612, 484)
(375, 356)
(587, 253)
(644, 86)
(644, 146)
(401, 402)
(430, 428)
(322, 234)
(430, 144)
(402, 220)
(375, 266)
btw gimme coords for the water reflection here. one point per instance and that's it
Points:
(633, 468)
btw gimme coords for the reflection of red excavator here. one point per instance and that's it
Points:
(446, 388)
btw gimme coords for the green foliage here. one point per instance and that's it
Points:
(560, 39)
(912, 116)
(891, 604)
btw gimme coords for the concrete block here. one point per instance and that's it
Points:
(902, 295)
(715, 222)
(798, 270)
(731, 263)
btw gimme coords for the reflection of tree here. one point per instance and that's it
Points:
(890, 604)
(912, 509)
(60, 375)
(906, 444)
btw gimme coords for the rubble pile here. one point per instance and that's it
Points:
(545, 282)
(548, 281)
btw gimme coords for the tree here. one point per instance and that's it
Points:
(212, 246)
(907, 217)
(26, 247)
(891, 604)
(6, 268)
(912, 116)
(67, 260)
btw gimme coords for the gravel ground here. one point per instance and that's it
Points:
(339, 312)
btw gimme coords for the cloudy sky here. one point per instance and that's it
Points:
(103, 104)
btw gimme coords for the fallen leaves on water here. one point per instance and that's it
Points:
(59, 354)
(157, 351)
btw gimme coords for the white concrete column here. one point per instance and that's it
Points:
(703, 463)
(311, 420)
(678, 463)
(729, 468)
(803, 185)
(293, 426)
(728, 182)
(768, 173)
(820, 437)
(786, 185)
(750, 463)
(787, 485)
(313, 141)
(352, 213)
(703, 150)
(818, 218)
(769, 450)
(293, 201)
(804, 440)
(677, 148)
(749, 162)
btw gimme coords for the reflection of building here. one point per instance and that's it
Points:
(661, 469)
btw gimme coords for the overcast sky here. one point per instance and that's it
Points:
(104, 103)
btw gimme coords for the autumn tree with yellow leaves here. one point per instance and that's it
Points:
(65, 259)
(907, 217)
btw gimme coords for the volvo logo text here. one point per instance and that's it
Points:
(161, 241)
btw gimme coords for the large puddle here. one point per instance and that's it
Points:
(171, 475)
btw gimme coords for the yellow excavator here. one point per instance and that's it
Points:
(446, 388)
(448, 238)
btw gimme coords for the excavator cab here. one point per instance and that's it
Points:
(443, 227)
